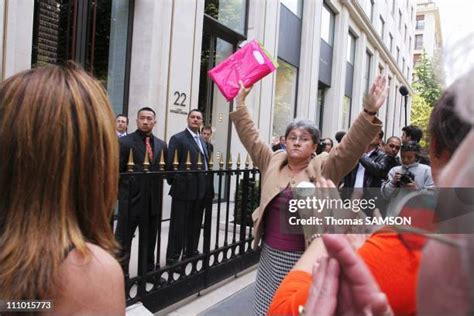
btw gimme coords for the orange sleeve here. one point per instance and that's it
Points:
(395, 268)
(293, 292)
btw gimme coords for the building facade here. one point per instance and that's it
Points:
(157, 54)
(428, 35)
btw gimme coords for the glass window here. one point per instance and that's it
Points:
(406, 31)
(420, 22)
(350, 48)
(419, 41)
(416, 58)
(400, 19)
(285, 97)
(327, 25)
(295, 6)
(391, 42)
(101, 49)
(368, 64)
(231, 13)
(382, 27)
(393, 7)
(398, 54)
(412, 13)
(403, 64)
(409, 45)
(346, 109)
(387, 101)
(320, 107)
(408, 73)
(370, 9)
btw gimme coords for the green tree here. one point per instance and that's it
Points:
(427, 82)
(420, 114)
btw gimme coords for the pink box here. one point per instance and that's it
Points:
(249, 64)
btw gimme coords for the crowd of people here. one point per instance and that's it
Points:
(56, 241)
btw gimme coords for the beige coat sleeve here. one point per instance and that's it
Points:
(343, 158)
(256, 146)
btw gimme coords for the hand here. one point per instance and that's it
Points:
(358, 292)
(377, 94)
(322, 299)
(411, 186)
(243, 92)
(396, 178)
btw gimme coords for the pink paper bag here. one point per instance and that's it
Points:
(249, 64)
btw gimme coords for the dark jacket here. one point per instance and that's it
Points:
(132, 189)
(190, 186)
(377, 166)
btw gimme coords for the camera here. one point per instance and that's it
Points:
(407, 178)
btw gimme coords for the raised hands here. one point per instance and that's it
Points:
(243, 92)
(377, 94)
(343, 285)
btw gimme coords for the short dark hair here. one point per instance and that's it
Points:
(207, 127)
(146, 109)
(122, 115)
(411, 146)
(414, 132)
(393, 137)
(339, 135)
(445, 127)
(194, 110)
(381, 134)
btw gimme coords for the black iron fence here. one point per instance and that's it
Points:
(225, 246)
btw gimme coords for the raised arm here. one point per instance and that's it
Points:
(256, 146)
(343, 158)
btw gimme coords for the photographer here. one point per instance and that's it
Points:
(410, 176)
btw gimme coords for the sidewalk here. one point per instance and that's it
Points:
(230, 297)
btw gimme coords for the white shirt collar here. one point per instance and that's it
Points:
(192, 133)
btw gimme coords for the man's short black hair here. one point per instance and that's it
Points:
(411, 146)
(207, 128)
(381, 134)
(194, 110)
(146, 109)
(393, 137)
(339, 136)
(122, 115)
(414, 132)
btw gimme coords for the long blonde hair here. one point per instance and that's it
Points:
(58, 175)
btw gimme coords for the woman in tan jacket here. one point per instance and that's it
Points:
(283, 170)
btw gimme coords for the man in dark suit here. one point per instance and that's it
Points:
(206, 133)
(280, 145)
(132, 202)
(190, 192)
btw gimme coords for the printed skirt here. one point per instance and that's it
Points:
(274, 265)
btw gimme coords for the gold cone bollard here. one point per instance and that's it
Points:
(146, 163)
(162, 160)
(130, 163)
(175, 160)
(199, 162)
(238, 161)
(211, 161)
(188, 161)
(229, 162)
(247, 161)
(221, 162)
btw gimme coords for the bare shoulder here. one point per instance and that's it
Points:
(93, 286)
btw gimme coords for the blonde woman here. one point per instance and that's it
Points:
(58, 184)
